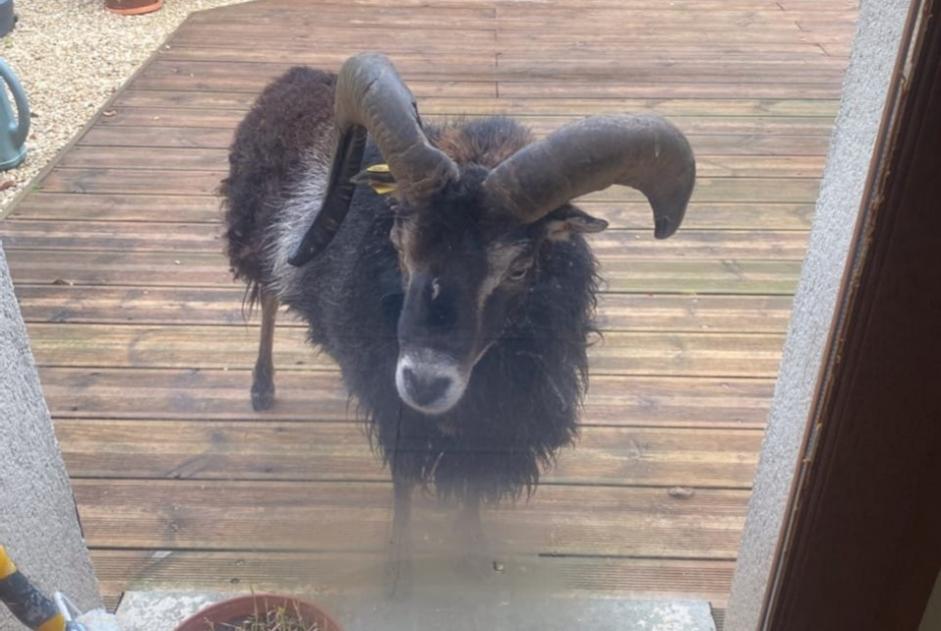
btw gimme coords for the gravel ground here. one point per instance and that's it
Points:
(70, 56)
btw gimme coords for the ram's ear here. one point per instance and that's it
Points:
(560, 224)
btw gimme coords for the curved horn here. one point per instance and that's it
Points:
(644, 152)
(370, 96)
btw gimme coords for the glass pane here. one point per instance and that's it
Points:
(492, 397)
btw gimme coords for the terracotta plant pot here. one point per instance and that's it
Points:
(237, 610)
(133, 7)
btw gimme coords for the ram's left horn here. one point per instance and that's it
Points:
(371, 97)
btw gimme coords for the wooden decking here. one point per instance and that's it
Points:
(145, 357)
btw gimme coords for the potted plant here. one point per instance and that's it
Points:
(133, 7)
(260, 612)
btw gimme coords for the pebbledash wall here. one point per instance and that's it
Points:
(39, 526)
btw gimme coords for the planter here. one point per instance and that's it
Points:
(236, 610)
(133, 7)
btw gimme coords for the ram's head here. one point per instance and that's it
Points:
(468, 234)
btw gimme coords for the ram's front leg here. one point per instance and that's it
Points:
(399, 564)
(263, 375)
(476, 557)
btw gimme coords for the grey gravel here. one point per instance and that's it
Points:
(71, 56)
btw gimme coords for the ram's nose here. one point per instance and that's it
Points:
(423, 388)
(429, 382)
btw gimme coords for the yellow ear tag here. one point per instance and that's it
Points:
(378, 177)
(382, 184)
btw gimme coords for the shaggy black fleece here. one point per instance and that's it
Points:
(523, 399)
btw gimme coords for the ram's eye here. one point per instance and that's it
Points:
(519, 269)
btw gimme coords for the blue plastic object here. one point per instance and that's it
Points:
(7, 17)
(13, 129)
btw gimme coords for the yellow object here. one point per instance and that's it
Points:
(55, 623)
(383, 184)
(7, 567)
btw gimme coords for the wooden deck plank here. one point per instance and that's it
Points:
(514, 67)
(439, 86)
(595, 89)
(731, 105)
(155, 208)
(626, 353)
(541, 124)
(198, 395)
(216, 160)
(354, 517)
(630, 6)
(267, 450)
(708, 189)
(216, 138)
(564, 55)
(612, 246)
(222, 306)
(203, 269)
(121, 278)
(141, 181)
(788, 38)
